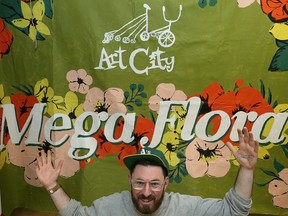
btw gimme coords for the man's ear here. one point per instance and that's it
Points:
(129, 178)
(166, 182)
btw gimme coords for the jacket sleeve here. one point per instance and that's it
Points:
(231, 205)
(75, 208)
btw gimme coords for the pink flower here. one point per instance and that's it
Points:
(165, 92)
(79, 81)
(279, 189)
(24, 155)
(207, 158)
(109, 101)
(246, 3)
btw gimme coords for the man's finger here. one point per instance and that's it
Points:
(49, 156)
(39, 161)
(231, 147)
(246, 135)
(59, 166)
(240, 135)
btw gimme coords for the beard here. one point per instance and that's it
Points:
(150, 207)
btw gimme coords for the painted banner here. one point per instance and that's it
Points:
(94, 81)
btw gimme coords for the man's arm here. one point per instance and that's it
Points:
(48, 174)
(246, 156)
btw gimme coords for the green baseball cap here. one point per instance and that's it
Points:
(149, 154)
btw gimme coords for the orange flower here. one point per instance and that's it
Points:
(246, 99)
(143, 128)
(23, 106)
(208, 96)
(277, 10)
(6, 39)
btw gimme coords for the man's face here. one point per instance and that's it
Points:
(148, 201)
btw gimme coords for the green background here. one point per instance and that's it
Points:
(213, 44)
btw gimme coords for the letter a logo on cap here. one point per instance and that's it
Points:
(145, 151)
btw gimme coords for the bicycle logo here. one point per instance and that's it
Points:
(140, 27)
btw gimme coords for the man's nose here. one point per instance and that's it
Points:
(147, 190)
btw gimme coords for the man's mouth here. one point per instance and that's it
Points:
(146, 200)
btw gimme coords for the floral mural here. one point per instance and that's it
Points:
(186, 99)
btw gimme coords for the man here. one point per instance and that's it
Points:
(149, 180)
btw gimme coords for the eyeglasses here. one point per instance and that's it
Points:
(138, 184)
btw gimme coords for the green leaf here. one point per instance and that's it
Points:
(202, 3)
(133, 87)
(178, 178)
(278, 166)
(263, 184)
(152, 117)
(270, 173)
(275, 104)
(285, 149)
(181, 155)
(262, 88)
(10, 10)
(27, 90)
(48, 8)
(280, 60)
(143, 95)
(212, 3)
(140, 87)
(280, 43)
(126, 94)
(138, 102)
(130, 108)
(269, 99)
(171, 179)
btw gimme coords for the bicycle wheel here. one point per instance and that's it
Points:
(144, 36)
(166, 38)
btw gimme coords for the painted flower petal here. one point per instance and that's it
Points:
(196, 169)
(244, 3)
(82, 73)
(26, 10)
(172, 158)
(154, 102)
(42, 28)
(83, 89)
(72, 76)
(225, 152)
(114, 95)
(95, 94)
(88, 80)
(218, 167)
(117, 108)
(284, 175)
(21, 23)
(71, 100)
(74, 86)
(263, 152)
(38, 10)
(32, 33)
(3, 158)
(179, 96)
(191, 151)
(277, 187)
(165, 90)
(280, 31)
(1, 91)
(30, 175)
(281, 201)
